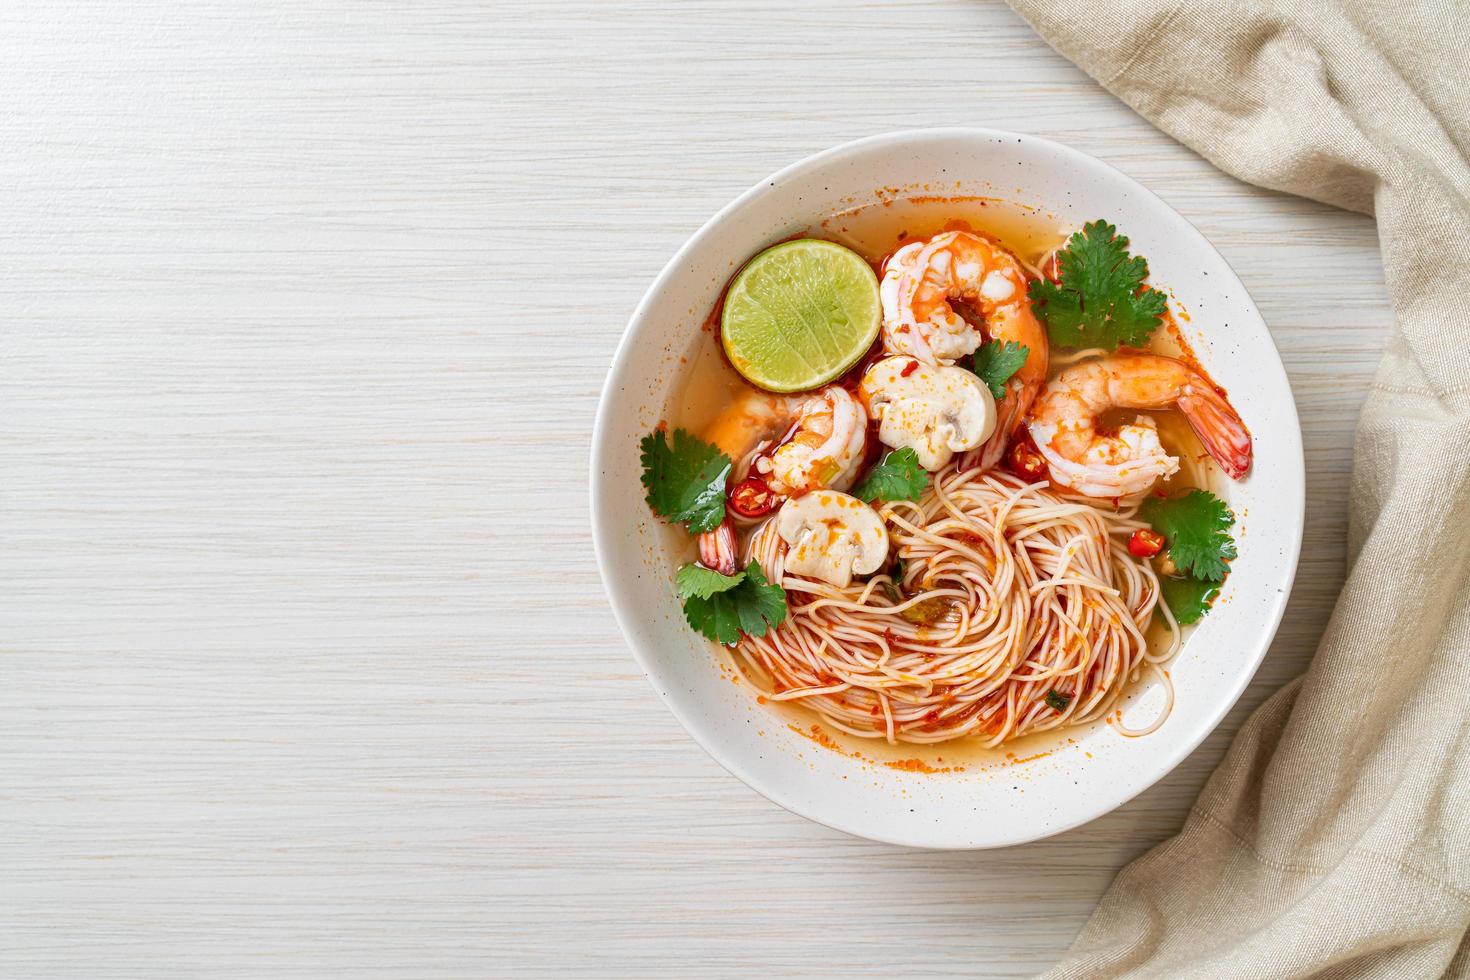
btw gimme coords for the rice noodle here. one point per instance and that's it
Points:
(1018, 592)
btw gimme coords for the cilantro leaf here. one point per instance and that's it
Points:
(898, 477)
(1188, 598)
(1197, 527)
(1100, 300)
(750, 605)
(995, 362)
(696, 580)
(715, 617)
(685, 482)
(762, 603)
(1056, 700)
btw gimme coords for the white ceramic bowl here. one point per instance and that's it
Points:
(984, 806)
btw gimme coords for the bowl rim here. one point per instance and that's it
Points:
(623, 608)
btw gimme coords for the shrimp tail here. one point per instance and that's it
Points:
(717, 548)
(1224, 435)
(1009, 413)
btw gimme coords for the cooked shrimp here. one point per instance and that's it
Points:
(922, 281)
(824, 449)
(1064, 424)
(751, 418)
(796, 444)
(825, 435)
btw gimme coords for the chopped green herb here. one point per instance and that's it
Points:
(751, 605)
(685, 481)
(1057, 701)
(929, 611)
(1100, 299)
(1188, 598)
(995, 362)
(898, 477)
(1197, 527)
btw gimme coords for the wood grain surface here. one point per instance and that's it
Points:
(304, 310)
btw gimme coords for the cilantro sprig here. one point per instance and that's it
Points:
(897, 477)
(686, 480)
(723, 606)
(995, 362)
(1100, 299)
(1196, 526)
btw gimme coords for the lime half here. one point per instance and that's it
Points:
(799, 314)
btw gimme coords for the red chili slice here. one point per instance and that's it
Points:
(1025, 461)
(752, 497)
(1145, 543)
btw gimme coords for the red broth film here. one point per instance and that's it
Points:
(991, 528)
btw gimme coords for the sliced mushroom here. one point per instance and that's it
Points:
(936, 411)
(832, 537)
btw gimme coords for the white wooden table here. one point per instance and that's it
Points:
(304, 310)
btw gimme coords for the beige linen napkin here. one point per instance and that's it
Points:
(1334, 840)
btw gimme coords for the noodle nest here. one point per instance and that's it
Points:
(1009, 610)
